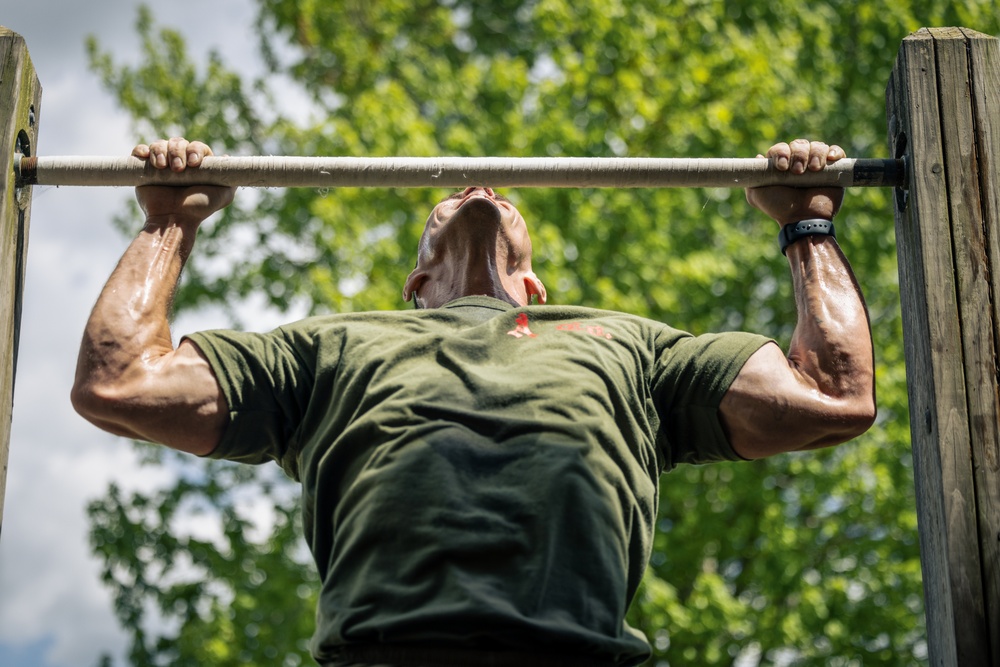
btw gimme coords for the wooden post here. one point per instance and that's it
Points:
(20, 99)
(943, 106)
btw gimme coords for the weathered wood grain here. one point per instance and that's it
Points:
(984, 78)
(20, 104)
(946, 288)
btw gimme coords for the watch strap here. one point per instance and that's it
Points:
(789, 234)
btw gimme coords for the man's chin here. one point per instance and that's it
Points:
(478, 209)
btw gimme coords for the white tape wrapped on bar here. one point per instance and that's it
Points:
(454, 172)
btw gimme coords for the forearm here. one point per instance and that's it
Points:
(830, 355)
(129, 328)
(831, 346)
(821, 392)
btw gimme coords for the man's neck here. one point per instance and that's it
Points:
(474, 274)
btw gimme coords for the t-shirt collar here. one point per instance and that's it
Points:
(480, 302)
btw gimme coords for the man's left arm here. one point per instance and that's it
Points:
(823, 391)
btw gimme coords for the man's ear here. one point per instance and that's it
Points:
(413, 282)
(534, 286)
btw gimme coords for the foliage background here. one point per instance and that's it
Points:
(805, 559)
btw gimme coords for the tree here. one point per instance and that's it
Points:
(808, 559)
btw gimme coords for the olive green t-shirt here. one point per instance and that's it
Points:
(478, 475)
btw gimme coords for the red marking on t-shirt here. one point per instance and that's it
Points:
(593, 329)
(522, 328)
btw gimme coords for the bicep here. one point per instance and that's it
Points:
(198, 401)
(771, 407)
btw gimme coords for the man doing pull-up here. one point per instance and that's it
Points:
(479, 475)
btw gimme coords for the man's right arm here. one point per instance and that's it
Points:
(130, 379)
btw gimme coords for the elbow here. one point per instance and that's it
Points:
(858, 407)
(860, 416)
(99, 403)
(106, 407)
(850, 409)
(851, 419)
(85, 399)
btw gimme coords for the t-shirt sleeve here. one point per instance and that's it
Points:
(693, 374)
(267, 381)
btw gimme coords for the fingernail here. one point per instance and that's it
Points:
(161, 160)
(177, 163)
(782, 163)
(814, 163)
(192, 159)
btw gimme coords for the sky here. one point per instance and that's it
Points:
(54, 611)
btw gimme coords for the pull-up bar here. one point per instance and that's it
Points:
(450, 172)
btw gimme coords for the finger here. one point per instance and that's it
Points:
(836, 153)
(800, 155)
(196, 150)
(780, 153)
(817, 155)
(141, 151)
(158, 153)
(177, 153)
